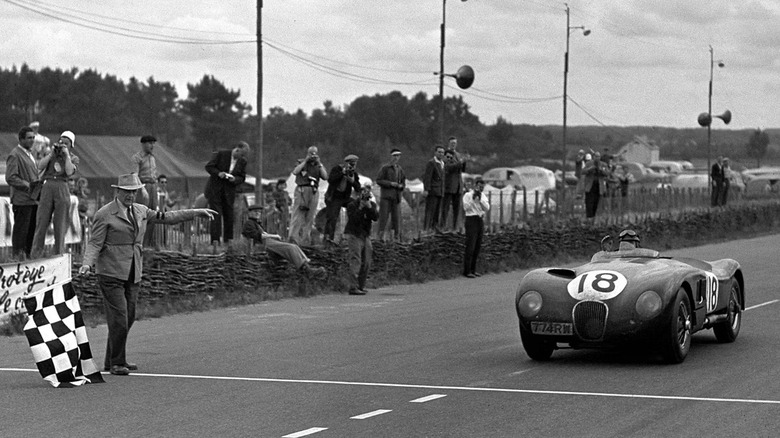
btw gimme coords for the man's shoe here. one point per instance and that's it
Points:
(357, 292)
(129, 366)
(476, 274)
(119, 370)
(470, 275)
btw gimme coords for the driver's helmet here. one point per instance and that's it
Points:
(629, 236)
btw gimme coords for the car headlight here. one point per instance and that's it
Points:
(530, 304)
(648, 304)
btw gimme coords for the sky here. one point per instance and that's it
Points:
(644, 63)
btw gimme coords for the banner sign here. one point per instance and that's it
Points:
(20, 280)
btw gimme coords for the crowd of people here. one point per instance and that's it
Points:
(599, 177)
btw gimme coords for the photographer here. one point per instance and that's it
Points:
(307, 173)
(475, 204)
(54, 205)
(361, 211)
(341, 180)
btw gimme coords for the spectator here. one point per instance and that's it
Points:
(164, 200)
(42, 145)
(723, 193)
(453, 186)
(392, 182)
(21, 174)
(624, 178)
(116, 248)
(341, 180)
(145, 164)
(595, 172)
(361, 211)
(475, 204)
(308, 174)
(275, 245)
(54, 205)
(282, 203)
(227, 170)
(433, 189)
(717, 177)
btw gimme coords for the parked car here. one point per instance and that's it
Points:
(628, 297)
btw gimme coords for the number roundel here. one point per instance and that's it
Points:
(597, 285)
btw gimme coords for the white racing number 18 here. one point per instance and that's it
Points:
(597, 285)
(712, 291)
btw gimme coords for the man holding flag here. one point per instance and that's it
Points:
(115, 248)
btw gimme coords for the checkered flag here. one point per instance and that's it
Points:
(58, 338)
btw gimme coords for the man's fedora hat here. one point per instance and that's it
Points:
(129, 181)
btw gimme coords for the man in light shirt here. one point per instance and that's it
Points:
(475, 205)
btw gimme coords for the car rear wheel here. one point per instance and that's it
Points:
(728, 330)
(676, 341)
(535, 346)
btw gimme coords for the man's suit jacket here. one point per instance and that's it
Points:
(216, 186)
(21, 174)
(433, 178)
(717, 174)
(453, 179)
(388, 175)
(114, 241)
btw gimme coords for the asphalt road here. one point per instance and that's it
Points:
(441, 359)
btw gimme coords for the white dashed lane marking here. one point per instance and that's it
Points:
(427, 398)
(307, 432)
(371, 414)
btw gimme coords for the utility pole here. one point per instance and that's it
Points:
(259, 198)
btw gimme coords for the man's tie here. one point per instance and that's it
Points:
(131, 217)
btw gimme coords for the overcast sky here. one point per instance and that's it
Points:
(644, 63)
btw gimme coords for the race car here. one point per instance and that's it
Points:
(630, 297)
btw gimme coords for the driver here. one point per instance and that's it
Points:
(628, 239)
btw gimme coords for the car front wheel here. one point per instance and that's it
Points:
(728, 330)
(535, 346)
(676, 341)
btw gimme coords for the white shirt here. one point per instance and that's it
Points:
(474, 207)
(29, 154)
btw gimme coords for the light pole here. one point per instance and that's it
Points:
(585, 32)
(441, 71)
(259, 198)
(705, 119)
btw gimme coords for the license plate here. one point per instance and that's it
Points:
(551, 328)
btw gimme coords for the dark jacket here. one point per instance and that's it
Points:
(359, 218)
(387, 176)
(335, 178)
(433, 178)
(453, 177)
(216, 186)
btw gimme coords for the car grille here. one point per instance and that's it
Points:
(590, 319)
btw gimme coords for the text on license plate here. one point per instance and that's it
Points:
(550, 328)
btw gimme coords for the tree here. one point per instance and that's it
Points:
(215, 114)
(757, 145)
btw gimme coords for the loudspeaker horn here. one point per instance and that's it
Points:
(705, 119)
(465, 77)
(726, 116)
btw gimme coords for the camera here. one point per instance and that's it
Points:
(59, 148)
(365, 195)
(312, 159)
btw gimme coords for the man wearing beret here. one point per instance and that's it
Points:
(342, 179)
(145, 165)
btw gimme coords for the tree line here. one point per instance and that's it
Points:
(212, 117)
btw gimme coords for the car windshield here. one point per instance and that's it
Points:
(632, 253)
